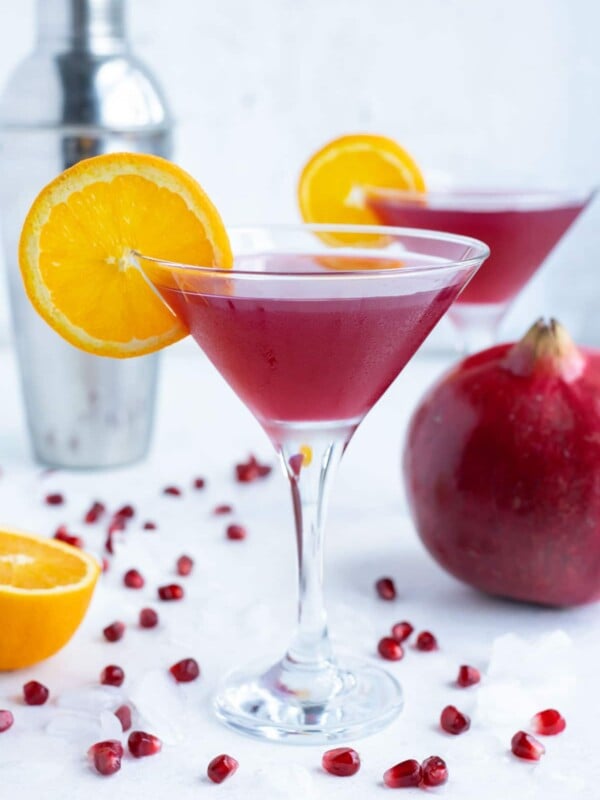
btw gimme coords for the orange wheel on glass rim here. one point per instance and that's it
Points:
(77, 245)
(334, 181)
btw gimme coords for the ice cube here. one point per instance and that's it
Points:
(161, 702)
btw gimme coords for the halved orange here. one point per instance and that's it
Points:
(78, 242)
(45, 589)
(334, 181)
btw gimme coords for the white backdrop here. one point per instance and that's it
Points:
(497, 91)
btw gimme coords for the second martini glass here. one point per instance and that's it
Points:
(310, 328)
(521, 228)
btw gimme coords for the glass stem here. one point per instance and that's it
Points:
(477, 325)
(310, 468)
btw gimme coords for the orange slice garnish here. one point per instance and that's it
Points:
(335, 181)
(78, 242)
(45, 589)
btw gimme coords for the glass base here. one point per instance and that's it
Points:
(343, 701)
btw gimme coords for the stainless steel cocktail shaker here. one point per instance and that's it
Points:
(81, 92)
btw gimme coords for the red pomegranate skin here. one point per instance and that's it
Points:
(502, 471)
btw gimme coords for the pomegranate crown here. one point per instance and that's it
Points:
(546, 347)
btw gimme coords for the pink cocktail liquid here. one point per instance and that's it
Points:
(520, 236)
(297, 359)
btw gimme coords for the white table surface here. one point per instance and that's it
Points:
(240, 604)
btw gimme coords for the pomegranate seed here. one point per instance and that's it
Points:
(123, 714)
(6, 720)
(426, 641)
(62, 536)
(105, 565)
(199, 483)
(224, 508)
(108, 544)
(55, 499)
(468, 676)
(221, 768)
(185, 671)
(172, 591)
(251, 470)
(149, 526)
(174, 491)
(342, 761)
(106, 756)
(390, 649)
(112, 676)
(435, 771)
(406, 773)
(125, 512)
(143, 744)
(94, 513)
(236, 533)
(114, 631)
(35, 694)
(133, 579)
(548, 722)
(454, 721)
(185, 564)
(386, 589)
(401, 631)
(148, 618)
(526, 746)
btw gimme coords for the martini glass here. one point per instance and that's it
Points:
(310, 327)
(520, 227)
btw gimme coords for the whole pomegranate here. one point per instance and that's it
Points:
(502, 469)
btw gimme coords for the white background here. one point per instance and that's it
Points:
(487, 91)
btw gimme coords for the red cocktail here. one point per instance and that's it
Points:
(521, 229)
(309, 328)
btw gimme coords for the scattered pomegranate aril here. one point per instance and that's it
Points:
(112, 675)
(149, 526)
(55, 499)
(548, 722)
(401, 631)
(468, 676)
(386, 589)
(94, 513)
(148, 618)
(435, 771)
(454, 721)
(108, 544)
(251, 470)
(6, 720)
(390, 649)
(172, 591)
(184, 566)
(426, 642)
(143, 744)
(114, 631)
(342, 761)
(125, 512)
(185, 671)
(117, 524)
(61, 535)
(406, 773)
(221, 768)
(526, 746)
(199, 483)
(133, 579)
(123, 714)
(173, 491)
(236, 533)
(35, 693)
(105, 565)
(106, 756)
(224, 508)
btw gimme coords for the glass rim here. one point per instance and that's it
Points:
(482, 251)
(489, 198)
